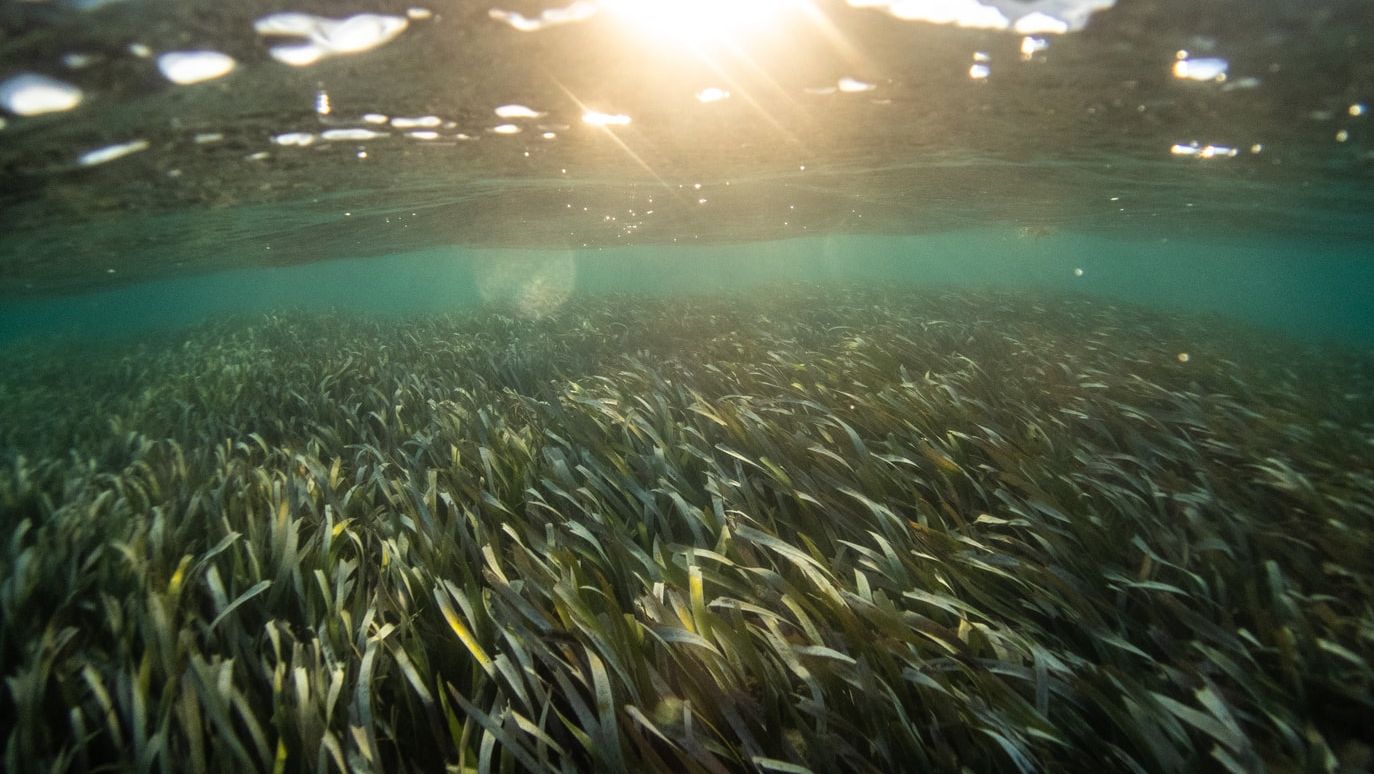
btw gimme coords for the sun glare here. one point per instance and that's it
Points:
(703, 22)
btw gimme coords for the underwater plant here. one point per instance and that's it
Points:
(804, 530)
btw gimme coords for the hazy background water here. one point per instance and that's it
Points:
(1319, 293)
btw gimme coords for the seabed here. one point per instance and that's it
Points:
(811, 529)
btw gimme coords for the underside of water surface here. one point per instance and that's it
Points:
(651, 385)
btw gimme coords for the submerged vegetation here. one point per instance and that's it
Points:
(852, 531)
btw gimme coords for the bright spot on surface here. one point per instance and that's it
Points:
(712, 94)
(300, 139)
(328, 37)
(549, 136)
(962, 13)
(692, 22)
(418, 122)
(345, 135)
(853, 85)
(1052, 17)
(1030, 46)
(979, 71)
(419, 14)
(597, 118)
(204, 138)
(30, 94)
(111, 152)
(578, 11)
(423, 135)
(1037, 23)
(322, 105)
(1246, 82)
(1184, 357)
(375, 118)
(187, 67)
(518, 111)
(505, 129)
(139, 50)
(1358, 109)
(77, 61)
(1077, 272)
(1209, 69)
(1204, 151)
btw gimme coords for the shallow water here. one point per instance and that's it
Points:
(715, 386)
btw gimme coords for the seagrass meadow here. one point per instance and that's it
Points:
(807, 529)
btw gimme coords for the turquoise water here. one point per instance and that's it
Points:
(1312, 292)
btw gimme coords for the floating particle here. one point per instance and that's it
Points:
(111, 152)
(979, 72)
(204, 138)
(1184, 357)
(187, 67)
(375, 118)
(549, 136)
(1342, 136)
(416, 13)
(506, 129)
(1358, 109)
(30, 94)
(423, 134)
(712, 94)
(1077, 272)
(139, 50)
(322, 105)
